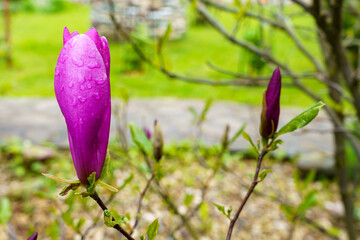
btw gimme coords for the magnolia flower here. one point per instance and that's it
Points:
(82, 88)
(33, 237)
(271, 106)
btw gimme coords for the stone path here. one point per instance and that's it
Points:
(40, 120)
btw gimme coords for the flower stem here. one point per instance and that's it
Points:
(97, 199)
(250, 190)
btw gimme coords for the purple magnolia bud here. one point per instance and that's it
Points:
(33, 237)
(271, 106)
(147, 132)
(82, 89)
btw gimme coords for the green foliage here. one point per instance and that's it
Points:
(69, 220)
(301, 120)
(152, 230)
(237, 134)
(247, 137)
(199, 118)
(188, 199)
(164, 39)
(5, 210)
(263, 174)
(223, 211)
(140, 139)
(71, 186)
(106, 167)
(92, 183)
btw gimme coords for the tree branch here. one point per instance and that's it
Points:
(98, 200)
(250, 190)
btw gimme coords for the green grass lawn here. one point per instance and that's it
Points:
(37, 41)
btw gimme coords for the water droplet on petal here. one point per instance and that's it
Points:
(82, 87)
(74, 102)
(92, 114)
(88, 85)
(87, 77)
(81, 99)
(73, 42)
(101, 80)
(81, 121)
(64, 58)
(96, 95)
(62, 88)
(94, 64)
(71, 84)
(92, 54)
(78, 62)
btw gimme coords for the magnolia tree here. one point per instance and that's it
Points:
(336, 32)
(82, 88)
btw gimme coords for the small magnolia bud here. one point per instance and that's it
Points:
(158, 142)
(147, 132)
(225, 137)
(33, 237)
(271, 106)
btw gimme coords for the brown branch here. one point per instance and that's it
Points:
(258, 78)
(279, 25)
(250, 190)
(98, 200)
(137, 219)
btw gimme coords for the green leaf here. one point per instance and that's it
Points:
(92, 183)
(309, 201)
(289, 211)
(152, 230)
(126, 181)
(222, 210)
(237, 3)
(106, 167)
(242, 9)
(301, 120)
(204, 211)
(263, 174)
(109, 219)
(5, 210)
(68, 219)
(164, 39)
(310, 177)
(237, 134)
(159, 173)
(188, 199)
(275, 144)
(248, 138)
(142, 237)
(66, 189)
(140, 139)
(205, 110)
(80, 224)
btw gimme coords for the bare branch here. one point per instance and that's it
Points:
(137, 219)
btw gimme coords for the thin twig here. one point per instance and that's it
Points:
(137, 219)
(98, 200)
(250, 190)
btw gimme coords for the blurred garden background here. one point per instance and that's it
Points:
(200, 68)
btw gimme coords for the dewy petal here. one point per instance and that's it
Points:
(106, 55)
(102, 47)
(83, 94)
(67, 36)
